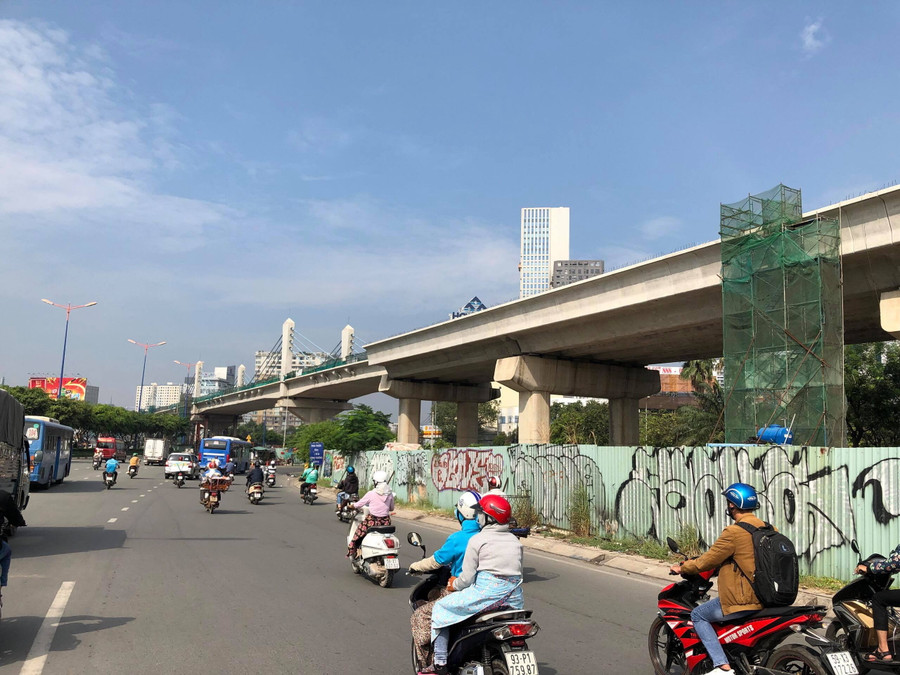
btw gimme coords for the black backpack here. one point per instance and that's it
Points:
(777, 577)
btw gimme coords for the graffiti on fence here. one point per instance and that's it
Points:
(465, 469)
(882, 481)
(550, 474)
(671, 487)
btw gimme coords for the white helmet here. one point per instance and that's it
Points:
(465, 505)
(379, 477)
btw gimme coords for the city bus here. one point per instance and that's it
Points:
(224, 448)
(49, 450)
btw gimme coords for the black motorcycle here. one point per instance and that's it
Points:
(852, 626)
(489, 643)
(345, 513)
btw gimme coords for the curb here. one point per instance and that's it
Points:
(624, 562)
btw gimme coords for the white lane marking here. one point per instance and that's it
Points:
(37, 657)
(144, 495)
(125, 508)
(85, 478)
(134, 501)
(112, 520)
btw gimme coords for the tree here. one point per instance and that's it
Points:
(700, 372)
(579, 423)
(363, 429)
(327, 433)
(872, 388)
(444, 414)
(704, 423)
(660, 429)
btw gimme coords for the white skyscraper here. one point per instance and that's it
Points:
(545, 238)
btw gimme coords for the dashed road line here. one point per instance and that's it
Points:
(134, 501)
(143, 495)
(125, 508)
(37, 657)
(112, 520)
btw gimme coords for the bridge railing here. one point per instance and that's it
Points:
(327, 365)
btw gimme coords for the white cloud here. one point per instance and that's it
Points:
(659, 228)
(813, 37)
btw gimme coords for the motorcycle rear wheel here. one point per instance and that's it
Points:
(796, 659)
(498, 667)
(386, 580)
(665, 650)
(837, 633)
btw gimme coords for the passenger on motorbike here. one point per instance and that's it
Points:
(381, 504)
(112, 468)
(491, 576)
(349, 485)
(255, 475)
(310, 478)
(494, 486)
(212, 471)
(134, 461)
(736, 596)
(451, 555)
(229, 468)
(881, 600)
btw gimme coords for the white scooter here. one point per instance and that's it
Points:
(377, 558)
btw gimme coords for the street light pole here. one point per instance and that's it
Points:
(68, 309)
(144, 369)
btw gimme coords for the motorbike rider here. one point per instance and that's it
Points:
(881, 600)
(349, 485)
(98, 457)
(10, 511)
(736, 596)
(212, 471)
(491, 576)
(451, 554)
(112, 468)
(381, 504)
(135, 461)
(494, 486)
(229, 467)
(310, 477)
(255, 475)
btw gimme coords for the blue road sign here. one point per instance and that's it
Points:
(317, 453)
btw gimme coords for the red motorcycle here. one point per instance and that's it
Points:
(755, 644)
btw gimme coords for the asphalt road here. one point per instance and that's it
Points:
(161, 584)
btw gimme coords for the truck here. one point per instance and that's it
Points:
(110, 446)
(14, 468)
(156, 451)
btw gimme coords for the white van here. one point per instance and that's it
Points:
(156, 451)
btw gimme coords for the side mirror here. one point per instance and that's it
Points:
(854, 546)
(673, 545)
(414, 538)
(39, 457)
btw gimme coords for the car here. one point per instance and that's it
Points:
(185, 462)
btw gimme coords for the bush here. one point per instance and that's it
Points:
(688, 540)
(580, 512)
(523, 510)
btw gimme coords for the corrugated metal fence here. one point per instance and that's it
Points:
(821, 498)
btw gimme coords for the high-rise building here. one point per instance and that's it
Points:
(569, 271)
(157, 395)
(267, 365)
(545, 239)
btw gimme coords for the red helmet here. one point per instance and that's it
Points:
(495, 507)
(493, 482)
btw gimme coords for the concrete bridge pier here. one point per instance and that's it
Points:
(536, 377)
(412, 393)
(313, 411)
(889, 309)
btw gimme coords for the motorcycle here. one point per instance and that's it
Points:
(255, 493)
(311, 494)
(132, 471)
(179, 479)
(377, 558)
(109, 479)
(489, 643)
(211, 493)
(756, 644)
(98, 460)
(345, 513)
(270, 478)
(853, 627)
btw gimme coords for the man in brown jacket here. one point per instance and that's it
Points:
(733, 556)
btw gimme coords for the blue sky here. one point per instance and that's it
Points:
(205, 169)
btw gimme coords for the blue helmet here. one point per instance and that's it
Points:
(742, 496)
(350, 469)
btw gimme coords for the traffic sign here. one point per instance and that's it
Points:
(316, 453)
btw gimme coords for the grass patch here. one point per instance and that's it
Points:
(649, 548)
(580, 512)
(821, 583)
(426, 506)
(688, 540)
(524, 512)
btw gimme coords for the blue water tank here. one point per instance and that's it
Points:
(775, 434)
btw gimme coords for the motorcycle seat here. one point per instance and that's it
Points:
(504, 615)
(384, 529)
(777, 611)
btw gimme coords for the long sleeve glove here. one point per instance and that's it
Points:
(425, 565)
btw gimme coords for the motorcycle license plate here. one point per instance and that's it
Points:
(842, 663)
(392, 563)
(521, 663)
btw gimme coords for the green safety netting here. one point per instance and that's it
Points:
(783, 319)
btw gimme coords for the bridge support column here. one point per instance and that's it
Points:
(412, 393)
(889, 306)
(536, 377)
(408, 420)
(466, 423)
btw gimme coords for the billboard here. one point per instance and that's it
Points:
(73, 387)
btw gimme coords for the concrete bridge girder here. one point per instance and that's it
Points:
(311, 410)
(536, 377)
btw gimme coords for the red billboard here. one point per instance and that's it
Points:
(73, 387)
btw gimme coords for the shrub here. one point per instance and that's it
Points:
(580, 511)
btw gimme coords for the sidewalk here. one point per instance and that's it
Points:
(624, 562)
